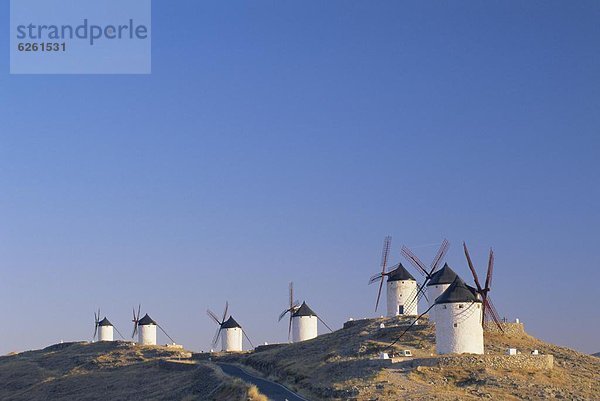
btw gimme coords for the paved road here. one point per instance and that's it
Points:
(274, 391)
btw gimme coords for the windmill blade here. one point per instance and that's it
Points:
(485, 307)
(492, 308)
(291, 294)
(379, 294)
(473, 272)
(376, 277)
(118, 332)
(385, 253)
(325, 324)
(216, 337)
(247, 338)
(135, 320)
(418, 294)
(214, 317)
(163, 330)
(414, 260)
(283, 314)
(490, 269)
(409, 327)
(440, 255)
(494, 313)
(225, 311)
(95, 326)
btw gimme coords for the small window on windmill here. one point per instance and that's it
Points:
(461, 306)
(455, 324)
(445, 307)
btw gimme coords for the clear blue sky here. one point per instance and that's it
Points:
(282, 141)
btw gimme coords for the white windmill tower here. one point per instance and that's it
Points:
(303, 320)
(104, 329)
(401, 286)
(458, 313)
(146, 329)
(230, 331)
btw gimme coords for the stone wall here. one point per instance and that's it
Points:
(509, 328)
(506, 362)
(501, 362)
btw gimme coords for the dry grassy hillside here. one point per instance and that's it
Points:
(343, 366)
(113, 371)
(338, 366)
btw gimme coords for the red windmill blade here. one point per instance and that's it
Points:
(488, 309)
(472, 268)
(490, 269)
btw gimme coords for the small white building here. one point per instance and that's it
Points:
(458, 328)
(231, 336)
(304, 324)
(439, 282)
(105, 330)
(147, 331)
(401, 293)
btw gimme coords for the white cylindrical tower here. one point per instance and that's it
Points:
(401, 293)
(147, 331)
(458, 328)
(304, 324)
(439, 282)
(105, 330)
(231, 336)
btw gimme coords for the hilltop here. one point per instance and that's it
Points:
(342, 365)
(113, 371)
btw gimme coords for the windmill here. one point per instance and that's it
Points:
(303, 320)
(401, 286)
(425, 271)
(103, 329)
(146, 328)
(230, 331)
(293, 307)
(489, 310)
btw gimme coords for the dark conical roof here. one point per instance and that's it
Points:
(304, 310)
(146, 321)
(104, 322)
(443, 276)
(400, 273)
(457, 292)
(230, 323)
